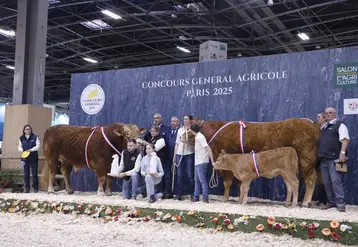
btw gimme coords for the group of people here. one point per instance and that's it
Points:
(165, 150)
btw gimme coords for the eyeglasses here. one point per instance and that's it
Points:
(331, 112)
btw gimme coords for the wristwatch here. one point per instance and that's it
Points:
(342, 152)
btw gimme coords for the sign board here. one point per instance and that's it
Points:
(212, 51)
(92, 99)
(345, 75)
(350, 106)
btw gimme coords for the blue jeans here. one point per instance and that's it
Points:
(186, 165)
(201, 181)
(127, 184)
(332, 181)
(34, 170)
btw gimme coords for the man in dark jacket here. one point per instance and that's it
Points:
(333, 144)
(129, 167)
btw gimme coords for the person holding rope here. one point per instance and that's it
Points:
(202, 154)
(183, 161)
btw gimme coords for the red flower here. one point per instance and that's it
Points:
(269, 226)
(310, 233)
(115, 218)
(147, 218)
(4, 183)
(119, 210)
(227, 221)
(335, 236)
(278, 226)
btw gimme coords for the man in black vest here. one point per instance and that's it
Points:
(30, 142)
(333, 144)
(129, 168)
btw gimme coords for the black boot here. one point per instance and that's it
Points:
(152, 199)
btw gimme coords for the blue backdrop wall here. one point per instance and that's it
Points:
(266, 88)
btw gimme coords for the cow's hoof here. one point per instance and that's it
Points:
(70, 192)
(101, 193)
(108, 193)
(51, 192)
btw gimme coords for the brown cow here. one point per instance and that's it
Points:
(301, 134)
(271, 163)
(67, 144)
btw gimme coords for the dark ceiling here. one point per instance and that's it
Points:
(150, 31)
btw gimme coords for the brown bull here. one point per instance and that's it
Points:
(67, 144)
(268, 164)
(301, 134)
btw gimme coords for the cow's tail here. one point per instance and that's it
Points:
(44, 178)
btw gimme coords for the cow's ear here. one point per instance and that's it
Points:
(119, 130)
(223, 151)
(142, 131)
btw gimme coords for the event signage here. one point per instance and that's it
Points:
(221, 85)
(92, 99)
(350, 106)
(345, 75)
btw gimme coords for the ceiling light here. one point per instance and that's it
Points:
(90, 60)
(183, 49)
(303, 36)
(7, 33)
(10, 67)
(182, 37)
(111, 14)
(96, 25)
(47, 55)
(239, 54)
(269, 2)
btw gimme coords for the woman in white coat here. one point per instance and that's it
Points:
(152, 170)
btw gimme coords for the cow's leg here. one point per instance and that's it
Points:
(66, 169)
(288, 182)
(228, 176)
(101, 179)
(310, 181)
(245, 185)
(109, 186)
(295, 186)
(52, 164)
(241, 194)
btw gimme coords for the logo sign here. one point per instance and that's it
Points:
(92, 99)
(350, 106)
(345, 75)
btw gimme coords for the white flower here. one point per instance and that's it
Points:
(34, 205)
(344, 228)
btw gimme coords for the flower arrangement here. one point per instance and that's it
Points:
(329, 230)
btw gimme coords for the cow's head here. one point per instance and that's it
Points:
(222, 162)
(188, 137)
(128, 131)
